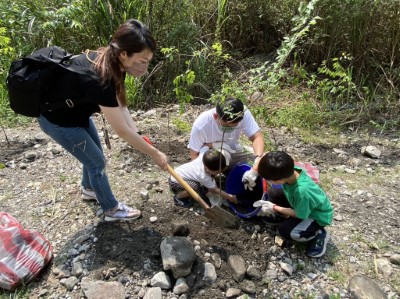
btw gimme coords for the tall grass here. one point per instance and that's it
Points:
(368, 31)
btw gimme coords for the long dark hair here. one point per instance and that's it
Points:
(132, 37)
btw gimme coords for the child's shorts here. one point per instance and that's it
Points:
(176, 187)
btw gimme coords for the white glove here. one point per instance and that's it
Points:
(215, 199)
(249, 179)
(217, 145)
(267, 207)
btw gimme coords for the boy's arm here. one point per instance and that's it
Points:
(229, 197)
(285, 211)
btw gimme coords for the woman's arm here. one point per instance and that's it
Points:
(117, 118)
(128, 118)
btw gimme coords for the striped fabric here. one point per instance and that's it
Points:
(23, 253)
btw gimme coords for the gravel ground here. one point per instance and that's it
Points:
(39, 186)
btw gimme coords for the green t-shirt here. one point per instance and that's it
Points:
(308, 200)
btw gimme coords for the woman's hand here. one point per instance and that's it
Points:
(160, 159)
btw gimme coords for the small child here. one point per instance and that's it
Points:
(200, 173)
(305, 206)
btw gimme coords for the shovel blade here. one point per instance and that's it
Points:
(221, 217)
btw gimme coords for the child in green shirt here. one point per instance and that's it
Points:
(305, 208)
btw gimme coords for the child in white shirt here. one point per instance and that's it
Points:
(199, 174)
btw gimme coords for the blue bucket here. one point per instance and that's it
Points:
(235, 186)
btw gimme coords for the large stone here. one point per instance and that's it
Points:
(103, 290)
(177, 255)
(362, 287)
(238, 265)
(371, 151)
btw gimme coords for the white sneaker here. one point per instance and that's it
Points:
(122, 213)
(87, 194)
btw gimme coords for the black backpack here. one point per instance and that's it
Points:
(30, 78)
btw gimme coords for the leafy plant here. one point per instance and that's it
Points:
(275, 71)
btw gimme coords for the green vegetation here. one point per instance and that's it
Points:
(337, 276)
(326, 64)
(181, 125)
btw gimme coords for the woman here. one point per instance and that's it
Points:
(129, 52)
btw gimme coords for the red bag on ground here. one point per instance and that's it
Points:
(23, 253)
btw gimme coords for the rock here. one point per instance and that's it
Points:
(153, 293)
(238, 266)
(177, 255)
(69, 282)
(253, 273)
(287, 268)
(371, 151)
(248, 286)
(338, 217)
(144, 194)
(181, 286)
(161, 280)
(180, 228)
(279, 241)
(216, 260)
(30, 155)
(362, 287)
(81, 239)
(102, 289)
(395, 259)
(232, 292)
(77, 269)
(270, 274)
(153, 219)
(384, 266)
(210, 275)
(354, 162)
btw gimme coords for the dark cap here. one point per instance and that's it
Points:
(230, 110)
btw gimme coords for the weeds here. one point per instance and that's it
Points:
(360, 87)
(181, 125)
(337, 276)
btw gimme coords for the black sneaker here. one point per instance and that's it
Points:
(183, 202)
(317, 246)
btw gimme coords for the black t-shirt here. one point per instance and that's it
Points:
(78, 86)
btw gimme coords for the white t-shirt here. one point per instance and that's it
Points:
(194, 170)
(205, 130)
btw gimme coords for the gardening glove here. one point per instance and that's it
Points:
(215, 200)
(249, 179)
(217, 145)
(267, 207)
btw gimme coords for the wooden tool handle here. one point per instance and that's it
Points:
(187, 187)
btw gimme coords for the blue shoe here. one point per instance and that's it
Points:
(183, 202)
(317, 246)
